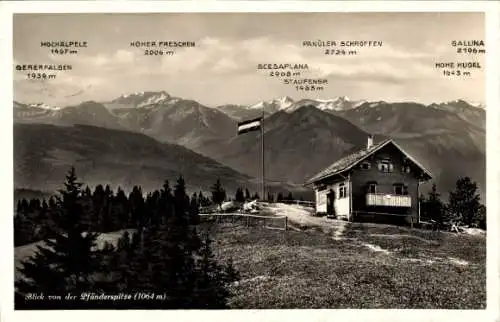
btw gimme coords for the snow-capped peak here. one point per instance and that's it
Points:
(477, 105)
(286, 99)
(376, 103)
(359, 103)
(44, 106)
(287, 104)
(335, 99)
(156, 98)
(471, 103)
(460, 102)
(142, 99)
(130, 95)
(340, 103)
(277, 104)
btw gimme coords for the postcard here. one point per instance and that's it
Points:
(306, 158)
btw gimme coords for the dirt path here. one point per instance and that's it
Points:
(302, 217)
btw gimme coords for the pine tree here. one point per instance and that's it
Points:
(464, 202)
(481, 218)
(119, 265)
(280, 197)
(239, 196)
(19, 207)
(87, 192)
(43, 218)
(170, 259)
(194, 206)
(211, 289)
(165, 202)
(136, 202)
(218, 194)
(121, 209)
(23, 229)
(162, 262)
(124, 241)
(68, 263)
(289, 197)
(425, 214)
(201, 199)
(247, 194)
(434, 206)
(136, 240)
(270, 197)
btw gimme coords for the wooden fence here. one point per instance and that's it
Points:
(215, 208)
(311, 204)
(248, 219)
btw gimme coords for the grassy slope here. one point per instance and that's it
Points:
(309, 269)
(44, 153)
(363, 266)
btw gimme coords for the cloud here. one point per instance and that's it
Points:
(218, 61)
(224, 56)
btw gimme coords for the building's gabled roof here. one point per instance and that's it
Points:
(355, 158)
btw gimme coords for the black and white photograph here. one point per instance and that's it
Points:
(250, 160)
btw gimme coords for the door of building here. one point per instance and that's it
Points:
(330, 204)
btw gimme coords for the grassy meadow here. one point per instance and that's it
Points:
(371, 266)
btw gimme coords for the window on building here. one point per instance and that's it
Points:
(385, 165)
(400, 189)
(366, 165)
(372, 187)
(342, 191)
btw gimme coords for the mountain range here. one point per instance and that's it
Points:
(43, 154)
(301, 137)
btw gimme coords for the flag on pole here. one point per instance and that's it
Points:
(250, 125)
(256, 124)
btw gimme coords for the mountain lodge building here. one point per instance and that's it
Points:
(378, 183)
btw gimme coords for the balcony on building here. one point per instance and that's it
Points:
(388, 200)
(398, 198)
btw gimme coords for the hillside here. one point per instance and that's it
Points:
(405, 120)
(43, 154)
(301, 143)
(302, 136)
(171, 119)
(338, 265)
(449, 139)
(296, 145)
(287, 104)
(87, 113)
(240, 113)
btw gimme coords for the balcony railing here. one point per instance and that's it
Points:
(390, 200)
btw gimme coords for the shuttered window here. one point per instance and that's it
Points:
(342, 191)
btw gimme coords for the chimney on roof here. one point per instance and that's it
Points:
(369, 142)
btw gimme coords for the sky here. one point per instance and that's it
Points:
(222, 67)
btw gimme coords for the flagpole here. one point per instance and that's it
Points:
(263, 190)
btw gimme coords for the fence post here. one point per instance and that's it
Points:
(286, 223)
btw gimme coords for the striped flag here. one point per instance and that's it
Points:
(250, 125)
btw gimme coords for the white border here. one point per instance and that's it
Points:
(492, 102)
